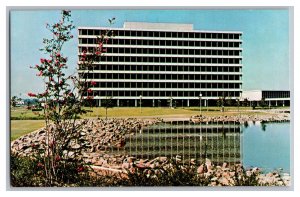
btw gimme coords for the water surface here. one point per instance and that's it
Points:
(267, 146)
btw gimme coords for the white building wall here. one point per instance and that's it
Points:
(253, 95)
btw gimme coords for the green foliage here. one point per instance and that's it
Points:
(29, 172)
(23, 172)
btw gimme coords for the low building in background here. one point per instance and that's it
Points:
(268, 97)
(162, 64)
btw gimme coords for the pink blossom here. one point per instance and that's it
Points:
(31, 94)
(57, 158)
(89, 97)
(89, 90)
(40, 165)
(93, 83)
(80, 168)
(40, 73)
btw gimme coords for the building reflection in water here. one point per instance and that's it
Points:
(219, 142)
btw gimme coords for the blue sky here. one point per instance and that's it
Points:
(266, 50)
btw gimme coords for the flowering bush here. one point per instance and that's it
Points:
(62, 103)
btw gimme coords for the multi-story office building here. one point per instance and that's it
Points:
(157, 63)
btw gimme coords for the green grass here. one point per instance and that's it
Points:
(165, 111)
(22, 113)
(22, 127)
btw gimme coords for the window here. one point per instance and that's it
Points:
(162, 34)
(83, 32)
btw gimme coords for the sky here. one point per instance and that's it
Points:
(266, 40)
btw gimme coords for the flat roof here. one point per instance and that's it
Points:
(264, 90)
(167, 27)
(159, 26)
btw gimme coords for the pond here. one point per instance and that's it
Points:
(265, 146)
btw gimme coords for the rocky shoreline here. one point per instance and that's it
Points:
(103, 135)
(275, 117)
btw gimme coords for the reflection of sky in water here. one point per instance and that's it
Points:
(269, 149)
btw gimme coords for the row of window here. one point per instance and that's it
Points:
(276, 94)
(179, 43)
(162, 34)
(164, 51)
(158, 76)
(173, 68)
(146, 59)
(165, 85)
(162, 93)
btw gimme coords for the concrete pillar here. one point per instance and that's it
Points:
(135, 102)
(153, 103)
(118, 102)
(205, 104)
(188, 102)
(276, 103)
(99, 102)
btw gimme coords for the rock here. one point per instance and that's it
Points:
(99, 163)
(193, 161)
(131, 159)
(163, 159)
(208, 163)
(224, 181)
(200, 169)
(75, 146)
(125, 165)
(71, 154)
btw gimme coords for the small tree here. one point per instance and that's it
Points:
(13, 101)
(60, 155)
(108, 103)
(262, 102)
(229, 101)
(221, 102)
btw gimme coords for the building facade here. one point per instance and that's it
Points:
(270, 97)
(160, 64)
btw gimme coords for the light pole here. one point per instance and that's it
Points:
(141, 103)
(200, 96)
(238, 103)
(206, 104)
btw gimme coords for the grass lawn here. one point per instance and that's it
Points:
(23, 113)
(22, 127)
(165, 111)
